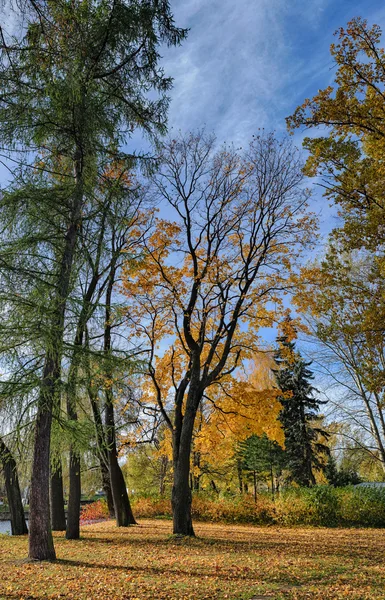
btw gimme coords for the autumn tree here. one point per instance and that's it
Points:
(74, 87)
(348, 157)
(208, 274)
(342, 302)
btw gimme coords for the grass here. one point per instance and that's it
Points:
(225, 561)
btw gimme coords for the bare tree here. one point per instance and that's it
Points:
(209, 273)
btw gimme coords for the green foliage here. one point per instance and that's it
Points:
(300, 409)
(308, 506)
(363, 506)
(320, 506)
(340, 477)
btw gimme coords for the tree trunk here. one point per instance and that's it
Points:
(240, 475)
(122, 506)
(196, 477)
(73, 513)
(40, 535)
(58, 517)
(18, 524)
(255, 485)
(106, 482)
(181, 498)
(163, 473)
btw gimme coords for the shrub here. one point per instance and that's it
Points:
(308, 506)
(229, 510)
(361, 506)
(94, 511)
(321, 505)
(151, 507)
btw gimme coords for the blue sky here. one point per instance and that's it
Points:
(249, 63)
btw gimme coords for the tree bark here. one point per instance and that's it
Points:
(58, 517)
(181, 499)
(73, 513)
(18, 524)
(40, 535)
(106, 482)
(240, 475)
(122, 506)
(100, 438)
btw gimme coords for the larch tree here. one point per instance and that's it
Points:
(208, 274)
(74, 86)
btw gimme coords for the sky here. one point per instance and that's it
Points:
(248, 63)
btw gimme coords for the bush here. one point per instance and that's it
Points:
(322, 505)
(361, 506)
(308, 506)
(150, 507)
(94, 511)
(229, 510)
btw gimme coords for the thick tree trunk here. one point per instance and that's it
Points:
(181, 501)
(181, 493)
(106, 482)
(58, 517)
(18, 524)
(40, 535)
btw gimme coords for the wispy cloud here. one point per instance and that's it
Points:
(247, 63)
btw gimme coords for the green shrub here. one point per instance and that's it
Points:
(321, 505)
(363, 506)
(308, 506)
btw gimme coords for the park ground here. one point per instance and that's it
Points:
(224, 561)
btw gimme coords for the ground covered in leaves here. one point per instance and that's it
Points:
(224, 561)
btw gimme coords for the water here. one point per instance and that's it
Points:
(5, 527)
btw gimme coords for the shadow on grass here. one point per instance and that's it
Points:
(299, 547)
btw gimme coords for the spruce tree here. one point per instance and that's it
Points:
(300, 410)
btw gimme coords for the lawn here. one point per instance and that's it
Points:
(224, 561)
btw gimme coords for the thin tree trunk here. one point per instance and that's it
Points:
(100, 437)
(40, 535)
(73, 513)
(122, 506)
(240, 475)
(255, 485)
(58, 517)
(18, 524)
(163, 473)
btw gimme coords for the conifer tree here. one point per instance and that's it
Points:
(300, 410)
(74, 87)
